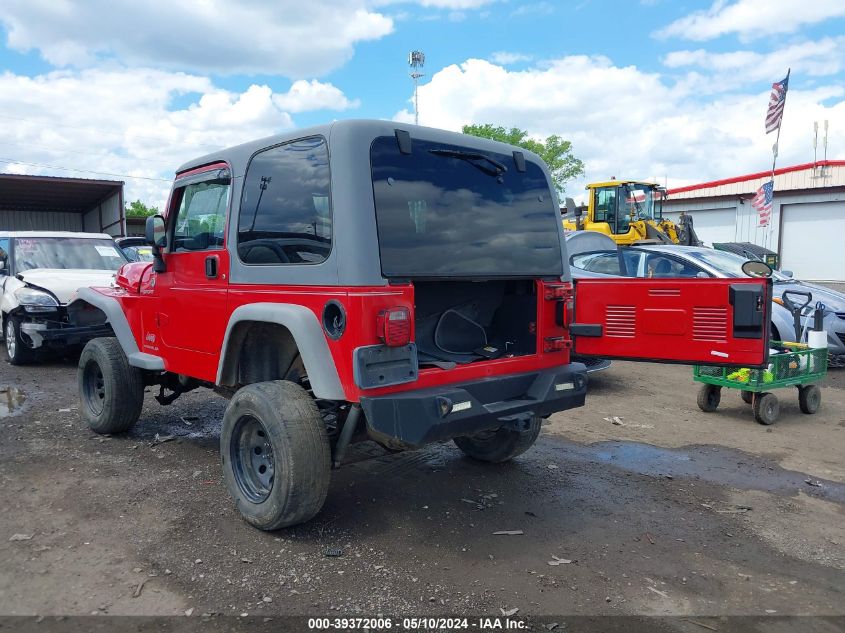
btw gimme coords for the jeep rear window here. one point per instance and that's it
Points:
(446, 211)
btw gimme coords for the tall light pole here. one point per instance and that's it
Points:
(416, 60)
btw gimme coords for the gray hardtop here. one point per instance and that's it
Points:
(350, 130)
(354, 258)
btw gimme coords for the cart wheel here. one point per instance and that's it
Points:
(809, 398)
(709, 397)
(766, 408)
(747, 396)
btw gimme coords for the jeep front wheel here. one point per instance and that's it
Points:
(500, 445)
(111, 391)
(275, 453)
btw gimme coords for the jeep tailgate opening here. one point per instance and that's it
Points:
(459, 322)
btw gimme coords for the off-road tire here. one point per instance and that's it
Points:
(111, 391)
(709, 397)
(17, 350)
(499, 445)
(809, 398)
(766, 408)
(747, 396)
(284, 418)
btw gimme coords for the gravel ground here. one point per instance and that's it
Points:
(671, 512)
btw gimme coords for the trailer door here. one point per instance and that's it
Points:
(690, 321)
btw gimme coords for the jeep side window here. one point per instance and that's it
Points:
(285, 215)
(201, 219)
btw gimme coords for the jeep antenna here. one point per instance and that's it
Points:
(416, 60)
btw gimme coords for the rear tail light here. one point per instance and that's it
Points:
(394, 326)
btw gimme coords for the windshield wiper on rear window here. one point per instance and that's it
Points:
(470, 157)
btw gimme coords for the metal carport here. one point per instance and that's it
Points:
(50, 203)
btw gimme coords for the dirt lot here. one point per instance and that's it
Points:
(672, 512)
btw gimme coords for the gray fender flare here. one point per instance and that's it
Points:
(120, 326)
(310, 340)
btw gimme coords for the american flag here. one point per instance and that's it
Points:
(762, 201)
(777, 100)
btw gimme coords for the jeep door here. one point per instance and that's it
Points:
(190, 309)
(691, 321)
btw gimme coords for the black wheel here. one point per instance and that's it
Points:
(766, 408)
(809, 398)
(499, 445)
(747, 396)
(111, 391)
(18, 347)
(275, 453)
(709, 397)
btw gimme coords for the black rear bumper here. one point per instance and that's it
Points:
(414, 418)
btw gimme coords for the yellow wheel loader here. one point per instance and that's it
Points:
(630, 212)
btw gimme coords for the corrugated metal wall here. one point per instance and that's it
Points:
(108, 210)
(40, 221)
(111, 215)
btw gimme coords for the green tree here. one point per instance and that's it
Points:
(556, 152)
(138, 209)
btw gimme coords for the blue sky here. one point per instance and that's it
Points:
(675, 91)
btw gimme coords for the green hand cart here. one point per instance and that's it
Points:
(795, 365)
(790, 365)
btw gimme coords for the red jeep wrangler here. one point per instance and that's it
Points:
(361, 280)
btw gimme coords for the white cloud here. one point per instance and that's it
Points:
(535, 8)
(625, 122)
(816, 59)
(453, 5)
(286, 37)
(752, 19)
(314, 95)
(506, 58)
(123, 121)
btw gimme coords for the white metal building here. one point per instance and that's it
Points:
(808, 216)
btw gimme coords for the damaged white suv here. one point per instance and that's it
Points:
(40, 272)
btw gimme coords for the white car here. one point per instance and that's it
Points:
(40, 273)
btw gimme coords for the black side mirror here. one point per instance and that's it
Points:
(754, 268)
(155, 234)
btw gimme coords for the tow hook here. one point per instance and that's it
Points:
(519, 422)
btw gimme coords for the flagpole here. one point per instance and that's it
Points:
(767, 237)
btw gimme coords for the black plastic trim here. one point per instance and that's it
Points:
(403, 138)
(415, 418)
(586, 329)
(375, 366)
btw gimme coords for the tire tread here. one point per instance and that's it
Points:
(307, 458)
(125, 399)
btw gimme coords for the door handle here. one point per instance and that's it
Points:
(211, 266)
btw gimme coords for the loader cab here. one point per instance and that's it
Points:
(620, 203)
